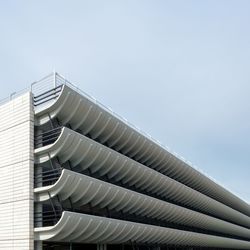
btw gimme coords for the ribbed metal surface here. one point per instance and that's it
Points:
(88, 154)
(74, 227)
(82, 189)
(83, 113)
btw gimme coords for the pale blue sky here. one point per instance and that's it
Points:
(179, 70)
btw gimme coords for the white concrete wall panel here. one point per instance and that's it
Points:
(16, 173)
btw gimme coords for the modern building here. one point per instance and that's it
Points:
(75, 175)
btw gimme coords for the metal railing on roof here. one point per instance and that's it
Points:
(53, 80)
(14, 95)
(47, 96)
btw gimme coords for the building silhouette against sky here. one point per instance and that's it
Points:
(75, 175)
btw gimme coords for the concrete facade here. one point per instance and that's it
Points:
(16, 174)
(74, 175)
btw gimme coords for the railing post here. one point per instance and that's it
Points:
(54, 79)
(12, 94)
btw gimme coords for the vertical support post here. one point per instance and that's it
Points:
(54, 79)
(53, 207)
(51, 122)
(38, 245)
(101, 247)
(38, 176)
(38, 208)
(157, 248)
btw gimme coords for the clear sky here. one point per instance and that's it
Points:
(179, 70)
